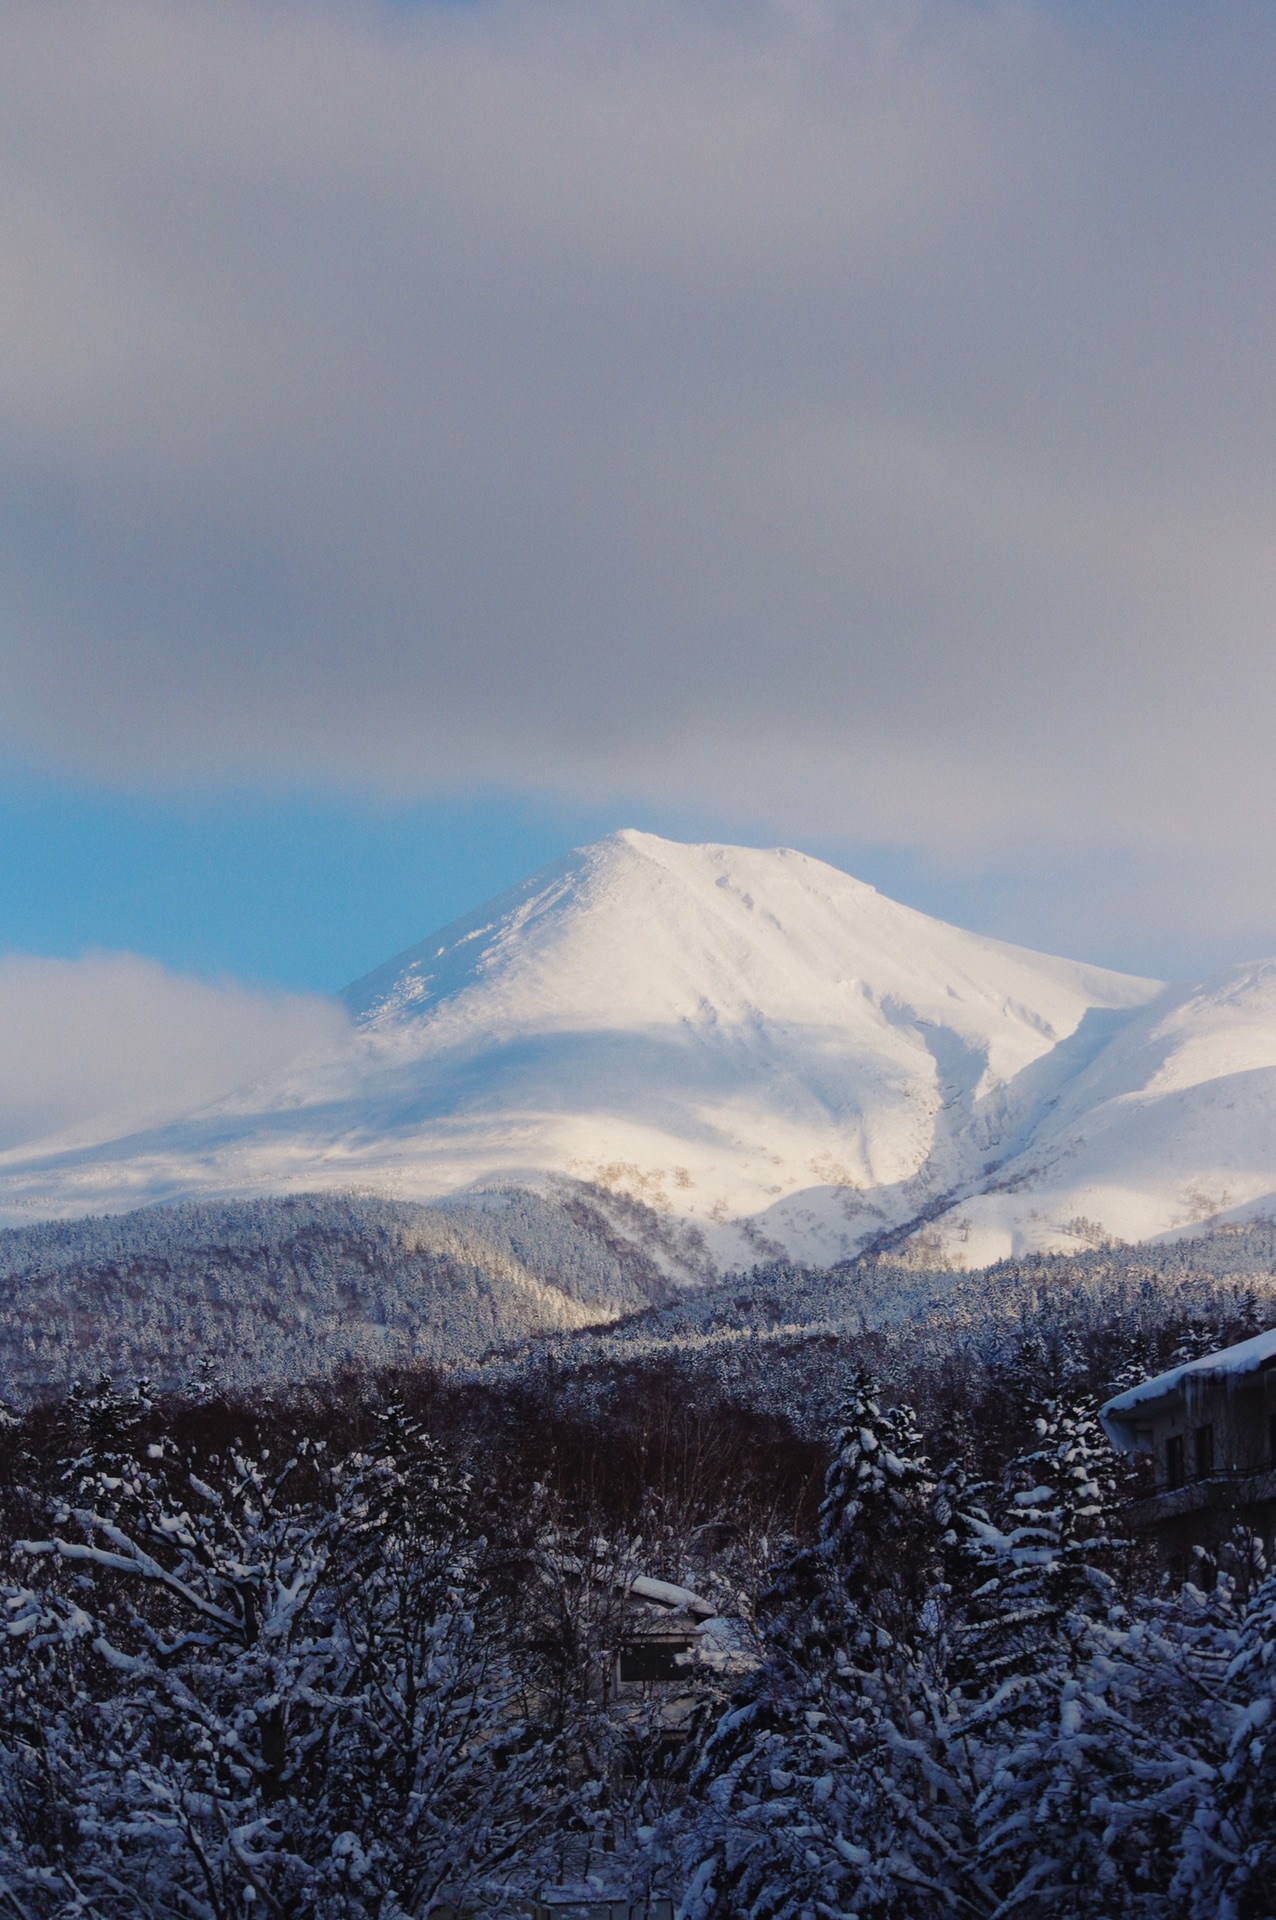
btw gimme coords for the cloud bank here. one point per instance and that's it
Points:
(858, 415)
(96, 1047)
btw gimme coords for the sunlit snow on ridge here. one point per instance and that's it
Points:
(765, 1053)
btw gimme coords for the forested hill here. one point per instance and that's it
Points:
(789, 1341)
(296, 1288)
(299, 1288)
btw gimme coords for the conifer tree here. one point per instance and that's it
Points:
(1227, 1845)
(1040, 1630)
(838, 1783)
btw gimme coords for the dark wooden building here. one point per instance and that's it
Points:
(1209, 1430)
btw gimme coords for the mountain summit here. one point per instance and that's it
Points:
(739, 1052)
(730, 1036)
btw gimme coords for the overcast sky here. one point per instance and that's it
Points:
(843, 424)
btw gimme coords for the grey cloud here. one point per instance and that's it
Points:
(855, 413)
(95, 1047)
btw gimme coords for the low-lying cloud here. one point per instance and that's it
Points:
(100, 1046)
(858, 415)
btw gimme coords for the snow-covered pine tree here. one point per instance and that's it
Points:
(838, 1783)
(1043, 1628)
(1226, 1830)
(1174, 1669)
(101, 1437)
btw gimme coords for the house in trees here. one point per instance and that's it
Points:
(643, 1649)
(1209, 1430)
(672, 1645)
(659, 1634)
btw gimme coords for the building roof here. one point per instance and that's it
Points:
(665, 1594)
(661, 1593)
(1120, 1414)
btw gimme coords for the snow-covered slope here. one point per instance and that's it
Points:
(765, 1052)
(1171, 1126)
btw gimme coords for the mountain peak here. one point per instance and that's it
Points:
(631, 877)
(765, 1053)
(637, 930)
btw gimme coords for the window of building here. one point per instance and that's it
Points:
(1174, 1461)
(1203, 1450)
(651, 1661)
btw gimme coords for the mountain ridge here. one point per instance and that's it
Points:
(764, 1053)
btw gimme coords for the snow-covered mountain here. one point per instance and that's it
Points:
(747, 1052)
(1172, 1125)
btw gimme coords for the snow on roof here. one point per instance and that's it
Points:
(666, 1594)
(662, 1593)
(1119, 1414)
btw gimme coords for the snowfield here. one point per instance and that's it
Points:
(766, 1054)
(1171, 1127)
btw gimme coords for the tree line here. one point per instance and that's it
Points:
(349, 1652)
